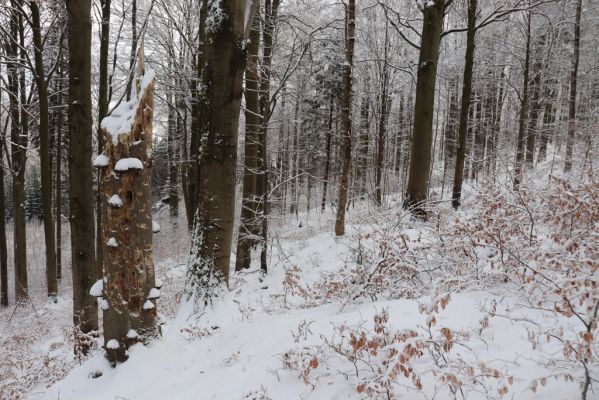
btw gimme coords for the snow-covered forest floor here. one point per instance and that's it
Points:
(492, 301)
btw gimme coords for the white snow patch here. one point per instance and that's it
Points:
(113, 344)
(104, 304)
(97, 288)
(132, 334)
(148, 305)
(155, 227)
(154, 293)
(115, 201)
(101, 161)
(125, 164)
(121, 119)
(112, 242)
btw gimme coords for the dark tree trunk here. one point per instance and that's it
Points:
(327, 161)
(44, 135)
(133, 47)
(208, 266)
(81, 217)
(3, 247)
(520, 146)
(346, 100)
(573, 89)
(102, 111)
(420, 160)
(458, 176)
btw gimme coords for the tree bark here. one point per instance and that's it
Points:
(83, 258)
(102, 111)
(573, 89)
(44, 149)
(3, 247)
(248, 230)
(127, 230)
(208, 266)
(327, 161)
(420, 164)
(520, 146)
(346, 118)
(458, 176)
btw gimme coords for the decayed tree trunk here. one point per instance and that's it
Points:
(44, 135)
(248, 230)
(420, 160)
(346, 100)
(520, 146)
(208, 265)
(573, 89)
(126, 172)
(83, 256)
(458, 176)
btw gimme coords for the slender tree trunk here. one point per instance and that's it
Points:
(133, 47)
(58, 196)
(327, 161)
(83, 257)
(382, 128)
(458, 177)
(19, 156)
(420, 160)
(523, 112)
(210, 254)
(248, 229)
(46, 172)
(102, 111)
(3, 247)
(573, 89)
(363, 144)
(346, 118)
(535, 105)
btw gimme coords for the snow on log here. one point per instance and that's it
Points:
(155, 227)
(148, 305)
(97, 288)
(154, 293)
(115, 201)
(113, 344)
(125, 164)
(101, 161)
(112, 243)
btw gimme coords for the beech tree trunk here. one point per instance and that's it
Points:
(420, 160)
(573, 89)
(18, 132)
(83, 256)
(44, 149)
(208, 266)
(102, 111)
(248, 230)
(521, 144)
(458, 176)
(346, 118)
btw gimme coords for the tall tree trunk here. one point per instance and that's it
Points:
(520, 146)
(420, 160)
(458, 176)
(133, 47)
(363, 144)
(327, 161)
(262, 181)
(548, 120)
(248, 229)
(199, 120)
(126, 173)
(81, 217)
(58, 196)
(3, 248)
(102, 111)
(18, 133)
(535, 105)
(210, 253)
(44, 135)
(573, 88)
(346, 118)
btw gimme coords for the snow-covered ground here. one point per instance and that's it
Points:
(324, 325)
